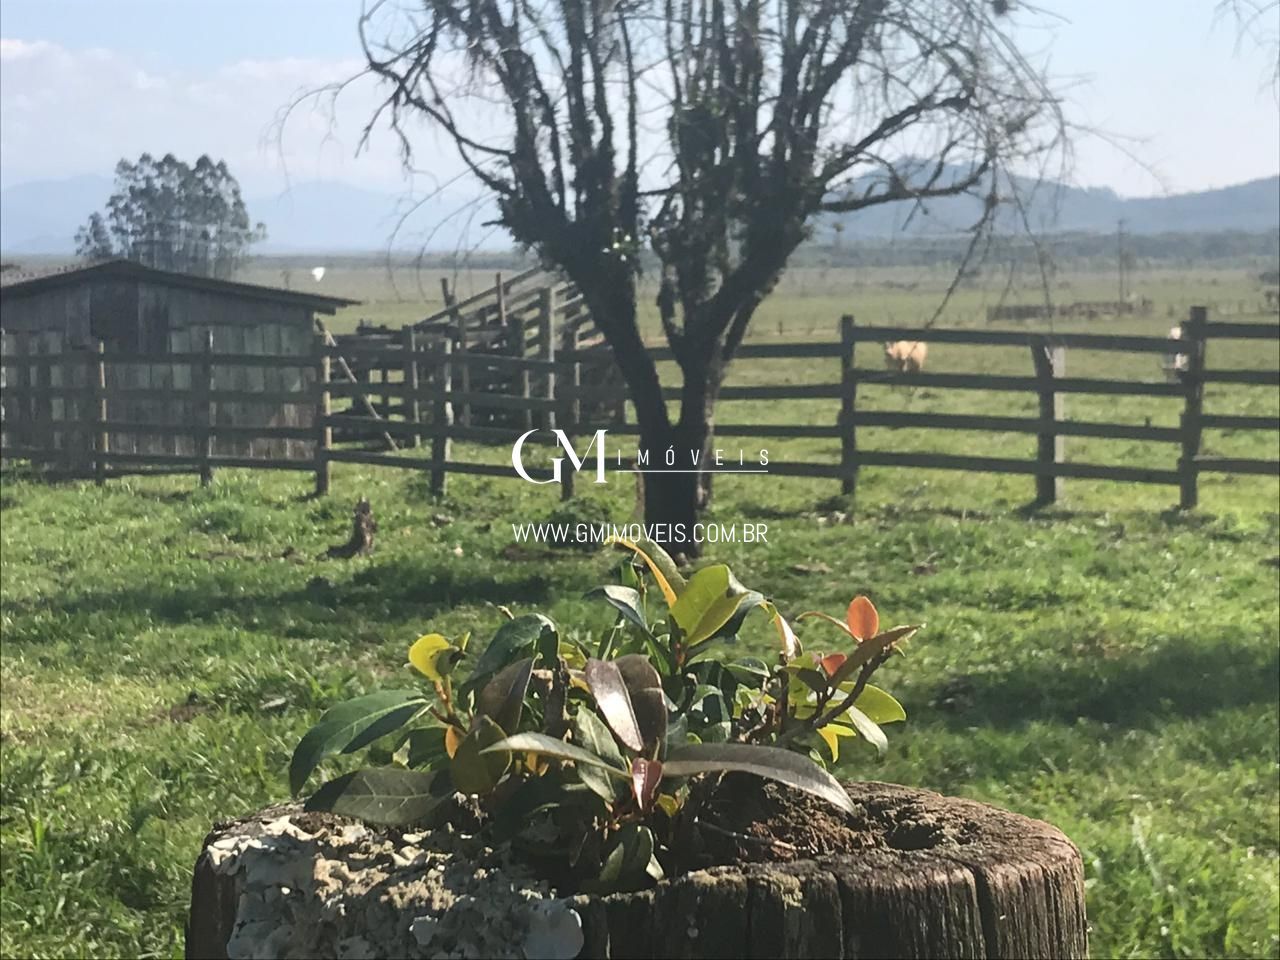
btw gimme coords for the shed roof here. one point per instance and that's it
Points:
(129, 270)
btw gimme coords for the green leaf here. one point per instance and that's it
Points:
(748, 601)
(383, 795)
(514, 639)
(749, 670)
(614, 701)
(628, 864)
(349, 726)
(502, 698)
(879, 706)
(543, 745)
(706, 604)
(677, 733)
(426, 748)
(474, 770)
(868, 730)
(709, 714)
(662, 560)
(591, 734)
(773, 763)
(660, 564)
(815, 680)
(623, 599)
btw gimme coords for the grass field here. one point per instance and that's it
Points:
(1108, 665)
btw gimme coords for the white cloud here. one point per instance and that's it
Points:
(68, 112)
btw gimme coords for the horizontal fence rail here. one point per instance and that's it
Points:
(90, 412)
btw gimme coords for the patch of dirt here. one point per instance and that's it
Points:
(519, 552)
(756, 821)
(188, 710)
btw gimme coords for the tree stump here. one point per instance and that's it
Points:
(941, 877)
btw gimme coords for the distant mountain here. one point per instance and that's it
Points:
(41, 217)
(330, 216)
(1058, 208)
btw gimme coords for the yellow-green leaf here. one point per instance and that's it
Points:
(869, 730)
(879, 706)
(660, 565)
(831, 734)
(707, 602)
(475, 771)
(433, 656)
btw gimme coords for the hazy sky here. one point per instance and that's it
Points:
(84, 82)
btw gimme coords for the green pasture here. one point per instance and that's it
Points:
(1108, 664)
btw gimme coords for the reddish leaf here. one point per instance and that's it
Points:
(863, 620)
(645, 777)
(832, 662)
(614, 701)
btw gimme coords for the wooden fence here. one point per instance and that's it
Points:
(433, 402)
(531, 315)
(1050, 383)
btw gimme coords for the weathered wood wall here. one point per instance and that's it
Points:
(152, 319)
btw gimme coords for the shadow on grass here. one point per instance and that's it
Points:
(1209, 526)
(376, 593)
(1185, 680)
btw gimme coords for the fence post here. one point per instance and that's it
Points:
(441, 416)
(324, 432)
(102, 442)
(464, 368)
(547, 343)
(514, 327)
(203, 386)
(848, 402)
(412, 410)
(1050, 362)
(1194, 332)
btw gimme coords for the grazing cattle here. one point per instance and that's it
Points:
(905, 356)
(1175, 364)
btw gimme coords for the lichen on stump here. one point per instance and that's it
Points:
(932, 876)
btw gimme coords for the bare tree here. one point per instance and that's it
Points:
(1258, 20)
(714, 133)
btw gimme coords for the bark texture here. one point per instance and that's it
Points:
(956, 878)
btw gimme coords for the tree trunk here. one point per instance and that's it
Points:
(677, 483)
(938, 877)
(671, 485)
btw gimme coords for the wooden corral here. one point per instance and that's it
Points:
(150, 315)
(532, 315)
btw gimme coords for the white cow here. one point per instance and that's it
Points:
(905, 356)
(1175, 364)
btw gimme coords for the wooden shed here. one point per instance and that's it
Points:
(136, 310)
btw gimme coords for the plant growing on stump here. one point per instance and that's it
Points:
(711, 135)
(598, 754)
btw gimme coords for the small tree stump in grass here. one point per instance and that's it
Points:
(938, 877)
